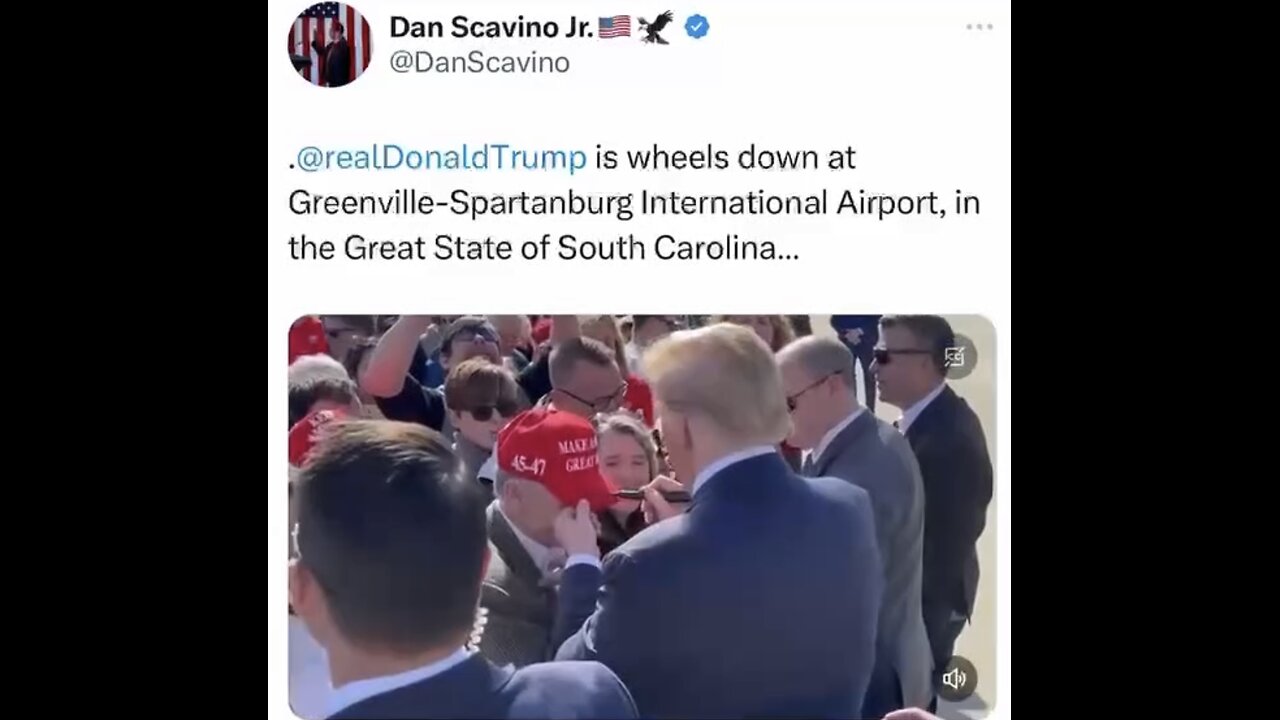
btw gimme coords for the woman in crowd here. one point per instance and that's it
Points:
(774, 330)
(629, 459)
(481, 398)
(638, 397)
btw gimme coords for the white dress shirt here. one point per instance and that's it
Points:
(546, 558)
(352, 693)
(914, 411)
(830, 437)
(489, 469)
(726, 461)
(308, 673)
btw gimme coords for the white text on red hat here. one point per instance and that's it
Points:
(521, 464)
(579, 445)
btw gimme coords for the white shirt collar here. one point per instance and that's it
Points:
(832, 433)
(728, 460)
(541, 554)
(352, 693)
(489, 470)
(914, 411)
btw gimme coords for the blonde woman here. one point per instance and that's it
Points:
(628, 457)
(638, 397)
(774, 330)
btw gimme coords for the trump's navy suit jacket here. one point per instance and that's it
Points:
(760, 601)
(479, 689)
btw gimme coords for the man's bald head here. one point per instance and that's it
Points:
(817, 374)
(819, 357)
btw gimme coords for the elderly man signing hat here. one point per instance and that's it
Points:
(547, 468)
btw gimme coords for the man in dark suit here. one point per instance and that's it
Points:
(850, 443)
(335, 58)
(546, 462)
(390, 549)
(947, 437)
(761, 600)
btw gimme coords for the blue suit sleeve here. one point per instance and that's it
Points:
(579, 587)
(604, 633)
(623, 706)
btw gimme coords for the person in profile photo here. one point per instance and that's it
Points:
(329, 44)
(336, 55)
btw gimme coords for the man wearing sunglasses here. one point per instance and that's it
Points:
(948, 440)
(399, 395)
(585, 378)
(850, 443)
(481, 397)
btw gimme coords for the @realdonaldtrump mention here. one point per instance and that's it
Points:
(640, 224)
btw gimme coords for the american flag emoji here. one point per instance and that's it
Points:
(322, 16)
(616, 26)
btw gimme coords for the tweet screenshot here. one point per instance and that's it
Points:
(643, 361)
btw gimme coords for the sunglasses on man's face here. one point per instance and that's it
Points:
(605, 403)
(484, 413)
(884, 355)
(792, 400)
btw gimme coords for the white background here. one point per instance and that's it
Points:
(925, 101)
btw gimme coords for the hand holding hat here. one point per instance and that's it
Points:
(576, 530)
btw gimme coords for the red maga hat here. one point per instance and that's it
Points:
(302, 436)
(558, 450)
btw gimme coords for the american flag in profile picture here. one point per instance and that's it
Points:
(323, 16)
(616, 26)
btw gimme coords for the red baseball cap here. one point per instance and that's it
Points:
(302, 436)
(558, 450)
(306, 337)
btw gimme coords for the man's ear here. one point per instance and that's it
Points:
(455, 417)
(686, 431)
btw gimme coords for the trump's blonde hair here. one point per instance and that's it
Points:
(725, 374)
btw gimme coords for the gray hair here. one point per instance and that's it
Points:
(309, 368)
(317, 377)
(821, 357)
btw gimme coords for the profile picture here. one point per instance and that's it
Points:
(329, 44)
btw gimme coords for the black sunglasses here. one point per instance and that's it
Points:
(485, 412)
(883, 355)
(608, 402)
(791, 399)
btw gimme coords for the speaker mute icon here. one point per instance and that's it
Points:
(958, 681)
